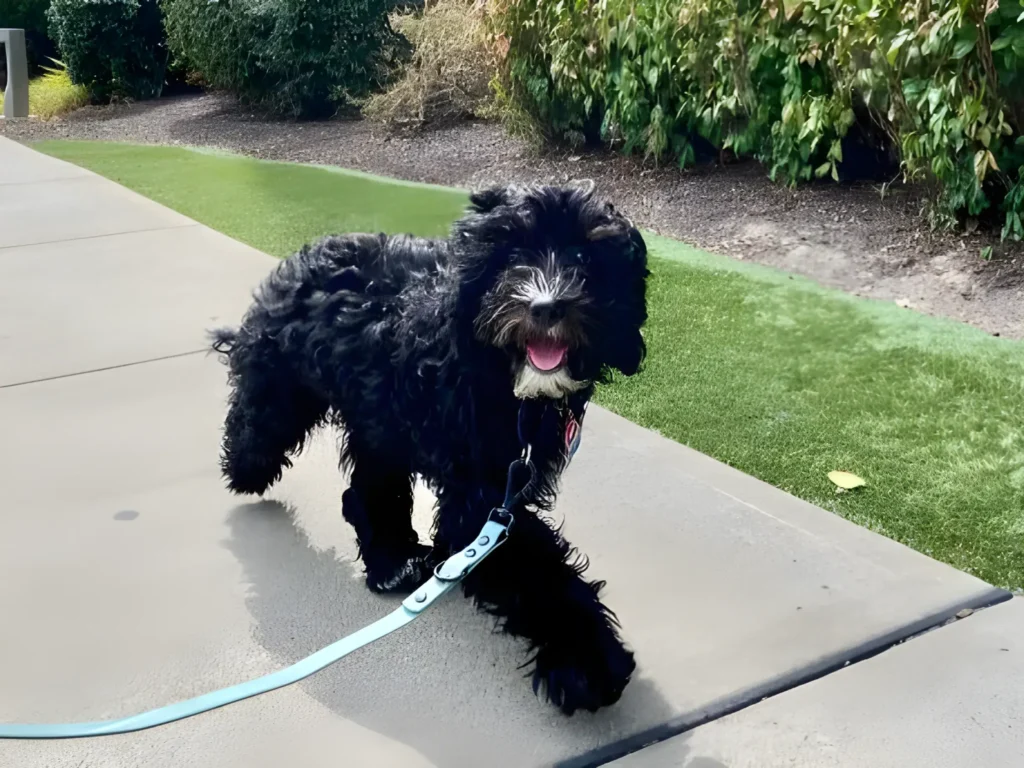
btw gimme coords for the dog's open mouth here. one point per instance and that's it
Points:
(546, 354)
(545, 371)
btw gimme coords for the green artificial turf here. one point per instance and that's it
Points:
(788, 381)
(275, 207)
(769, 373)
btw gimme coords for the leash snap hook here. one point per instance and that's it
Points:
(502, 517)
(492, 535)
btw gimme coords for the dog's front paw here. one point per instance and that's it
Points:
(399, 572)
(586, 677)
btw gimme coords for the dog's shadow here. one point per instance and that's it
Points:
(447, 685)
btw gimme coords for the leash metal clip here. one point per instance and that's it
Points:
(494, 532)
(491, 536)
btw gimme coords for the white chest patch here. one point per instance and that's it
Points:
(531, 383)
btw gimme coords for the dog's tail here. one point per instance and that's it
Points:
(223, 340)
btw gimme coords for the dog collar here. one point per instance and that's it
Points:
(569, 411)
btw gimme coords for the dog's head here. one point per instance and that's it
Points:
(555, 277)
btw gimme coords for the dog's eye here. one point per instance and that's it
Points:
(578, 255)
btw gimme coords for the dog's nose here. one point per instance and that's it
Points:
(547, 311)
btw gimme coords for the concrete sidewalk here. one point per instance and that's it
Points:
(129, 578)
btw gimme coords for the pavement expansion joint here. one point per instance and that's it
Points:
(733, 703)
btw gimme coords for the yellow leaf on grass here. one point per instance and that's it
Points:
(845, 480)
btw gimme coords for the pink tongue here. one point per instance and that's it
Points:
(546, 355)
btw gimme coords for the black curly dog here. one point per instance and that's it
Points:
(422, 353)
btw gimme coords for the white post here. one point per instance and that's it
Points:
(16, 95)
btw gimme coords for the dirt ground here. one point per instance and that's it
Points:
(848, 237)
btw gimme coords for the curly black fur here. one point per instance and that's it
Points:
(414, 349)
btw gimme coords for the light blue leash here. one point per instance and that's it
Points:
(446, 576)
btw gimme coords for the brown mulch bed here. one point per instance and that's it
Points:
(844, 236)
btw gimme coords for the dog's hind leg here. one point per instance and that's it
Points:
(269, 414)
(378, 505)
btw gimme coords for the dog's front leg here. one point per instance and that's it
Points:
(533, 583)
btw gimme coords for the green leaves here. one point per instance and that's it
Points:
(781, 80)
(1012, 37)
(114, 49)
(301, 58)
(966, 40)
(1013, 229)
(897, 43)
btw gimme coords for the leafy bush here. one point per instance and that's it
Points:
(115, 48)
(29, 15)
(53, 94)
(785, 81)
(450, 71)
(297, 57)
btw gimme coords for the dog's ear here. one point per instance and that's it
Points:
(626, 349)
(483, 239)
(486, 200)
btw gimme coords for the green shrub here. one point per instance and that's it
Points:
(24, 14)
(296, 57)
(785, 81)
(115, 48)
(29, 15)
(53, 94)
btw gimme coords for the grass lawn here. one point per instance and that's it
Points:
(275, 207)
(769, 373)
